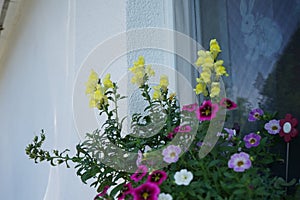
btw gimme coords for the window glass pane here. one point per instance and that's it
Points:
(260, 47)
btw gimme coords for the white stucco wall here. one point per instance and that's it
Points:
(41, 58)
(38, 68)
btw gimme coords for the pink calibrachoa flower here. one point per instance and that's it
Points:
(227, 103)
(183, 129)
(207, 111)
(251, 140)
(288, 127)
(171, 153)
(126, 191)
(239, 162)
(273, 126)
(190, 107)
(104, 192)
(255, 114)
(170, 135)
(157, 177)
(139, 173)
(146, 191)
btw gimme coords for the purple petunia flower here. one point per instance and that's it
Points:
(239, 162)
(273, 126)
(227, 103)
(171, 153)
(146, 191)
(207, 111)
(139, 173)
(251, 140)
(157, 177)
(190, 107)
(255, 114)
(231, 133)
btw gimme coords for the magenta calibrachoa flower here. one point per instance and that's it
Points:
(288, 127)
(103, 193)
(207, 111)
(157, 177)
(127, 190)
(273, 126)
(171, 153)
(227, 103)
(139, 173)
(239, 162)
(190, 107)
(146, 191)
(170, 135)
(255, 114)
(251, 140)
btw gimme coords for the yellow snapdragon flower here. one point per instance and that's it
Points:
(164, 82)
(205, 58)
(107, 82)
(211, 69)
(140, 73)
(205, 76)
(92, 83)
(215, 89)
(214, 48)
(156, 92)
(96, 90)
(201, 88)
(150, 71)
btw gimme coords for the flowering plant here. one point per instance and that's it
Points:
(176, 151)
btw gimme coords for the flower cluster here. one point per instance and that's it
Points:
(141, 73)
(148, 189)
(211, 71)
(167, 165)
(97, 91)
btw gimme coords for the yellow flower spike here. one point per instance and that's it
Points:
(205, 57)
(156, 92)
(92, 82)
(214, 48)
(164, 82)
(150, 71)
(215, 89)
(205, 76)
(200, 88)
(138, 71)
(221, 70)
(98, 95)
(140, 61)
(107, 82)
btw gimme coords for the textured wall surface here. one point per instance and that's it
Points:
(148, 14)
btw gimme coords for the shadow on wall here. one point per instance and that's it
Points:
(281, 92)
